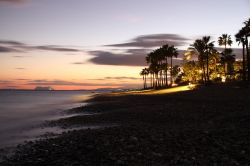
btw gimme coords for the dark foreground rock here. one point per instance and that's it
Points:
(209, 126)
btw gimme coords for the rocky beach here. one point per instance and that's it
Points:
(205, 126)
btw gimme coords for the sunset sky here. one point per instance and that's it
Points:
(89, 44)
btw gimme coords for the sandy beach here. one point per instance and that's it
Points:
(206, 126)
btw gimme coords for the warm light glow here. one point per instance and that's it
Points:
(162, 91)
(191, 86)
(223, 79)
(173, 90)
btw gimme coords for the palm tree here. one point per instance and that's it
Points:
(209, 49)
(172, 53)
(203, 49)
(165, 52)
(214, 58)
(246, 32)
(153, 60)
(146, 74)
(228, 58)
(241, 39)
(158, 65)
(225, 40)
(197, 49)
(142, 73)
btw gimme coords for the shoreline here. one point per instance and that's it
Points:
(38, 128)
(207, 126)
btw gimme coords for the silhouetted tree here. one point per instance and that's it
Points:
(209, 50)
(225, 40)
(246, 32)
(241, 39)
(158, 65)
(228, 58)
(172, 53)
(144, 74)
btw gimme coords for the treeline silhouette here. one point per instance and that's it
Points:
(210, 66)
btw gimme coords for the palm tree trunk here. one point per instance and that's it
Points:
(171, 71)
(244, 62)
(224, 66)
(207, 69)
(204, 72)
(166, 79)
(248, 61)
(151, 81)
(158, 80)
(143, 82)
(162, 81)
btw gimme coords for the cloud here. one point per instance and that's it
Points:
(129, 58)
(55, 48)
(5, 82)
(20, 68)
(12, 86)
(132, 57)
(4, 49)
(121, 78)
(61, 82)
(154, 40)
(69, 83)
(141, 45)
(19, 56)
(15, 46)
(10, 42)
(12, 1)
(78, 63)
(116, 78)
(22, 79)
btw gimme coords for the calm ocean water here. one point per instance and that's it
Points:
(22, 112)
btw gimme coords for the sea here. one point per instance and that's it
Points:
(22, 113)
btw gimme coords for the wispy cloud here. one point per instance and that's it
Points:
(78, 63)
(4, 49)
(116, 78)
(121, 78)
(11, 42)
(15, 46)
(20, 68)
(55, 48)
(5, 82)
(22, 79)
(12, 86)
(13, 1)
(19, 56)
(153, 40)
(45, 82)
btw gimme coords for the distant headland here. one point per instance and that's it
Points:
(43, 88)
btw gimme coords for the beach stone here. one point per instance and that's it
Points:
(133, 138)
